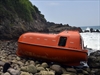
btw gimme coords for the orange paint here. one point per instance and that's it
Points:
(66, 47)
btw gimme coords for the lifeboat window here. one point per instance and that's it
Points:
(62, 41)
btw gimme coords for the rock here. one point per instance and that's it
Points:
(69, 73)
(20, 63)
(24, 73)
(38, 65)
(18, 58)
(40, 68)
(47, 73)
(71, 70)
(2, 63)
(32, 62)
(6, 73)
(98, 72)
(96, 53)
(94, 60)
(64, 71)
(26, 63)
(13, 71)
(1, 68)
(85, 73)
(24, 68)
(79, 71)
(57, 69)
(31, 69)
(45, 65)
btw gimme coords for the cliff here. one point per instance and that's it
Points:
(20, 16)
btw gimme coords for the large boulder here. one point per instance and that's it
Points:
(94, 59)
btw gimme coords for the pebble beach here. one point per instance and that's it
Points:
(30, 66)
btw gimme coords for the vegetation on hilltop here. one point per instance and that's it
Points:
(21, 8)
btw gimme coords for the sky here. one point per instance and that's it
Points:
(72, 12)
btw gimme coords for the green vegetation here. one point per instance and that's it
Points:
(21, 8)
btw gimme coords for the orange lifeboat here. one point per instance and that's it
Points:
(67, 47)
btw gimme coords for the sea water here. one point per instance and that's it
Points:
(91, 40)
(94, 27)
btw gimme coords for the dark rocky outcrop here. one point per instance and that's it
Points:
(55, 28)
(94, 59)
(94, 62)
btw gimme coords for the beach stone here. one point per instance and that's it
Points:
(1, 68)
(6, 73)
(71, 70)
(24, 73)
(69, 73)
(57, 69)
(95, 71)
(64, 71)
(80, 74)
(24, 68)
(98, 72)
(14, 61)
(15, 66)
(18, 58)
(47, 73)
(2, 63)
(65, 74)
(79, 71)
(20, 63)
(13, 71)
(38, 65)
(45, 65)
(26, 63)
(40, 68)
(85, 73)
(31, 68)
(32, 62)
(1, 73)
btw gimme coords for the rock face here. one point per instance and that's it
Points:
(55, 28)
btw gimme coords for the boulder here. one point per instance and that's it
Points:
(94, 60)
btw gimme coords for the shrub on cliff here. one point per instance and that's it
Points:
(21, 8)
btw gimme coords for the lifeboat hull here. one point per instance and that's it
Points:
(61, 55)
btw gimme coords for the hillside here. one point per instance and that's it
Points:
(20, 16)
